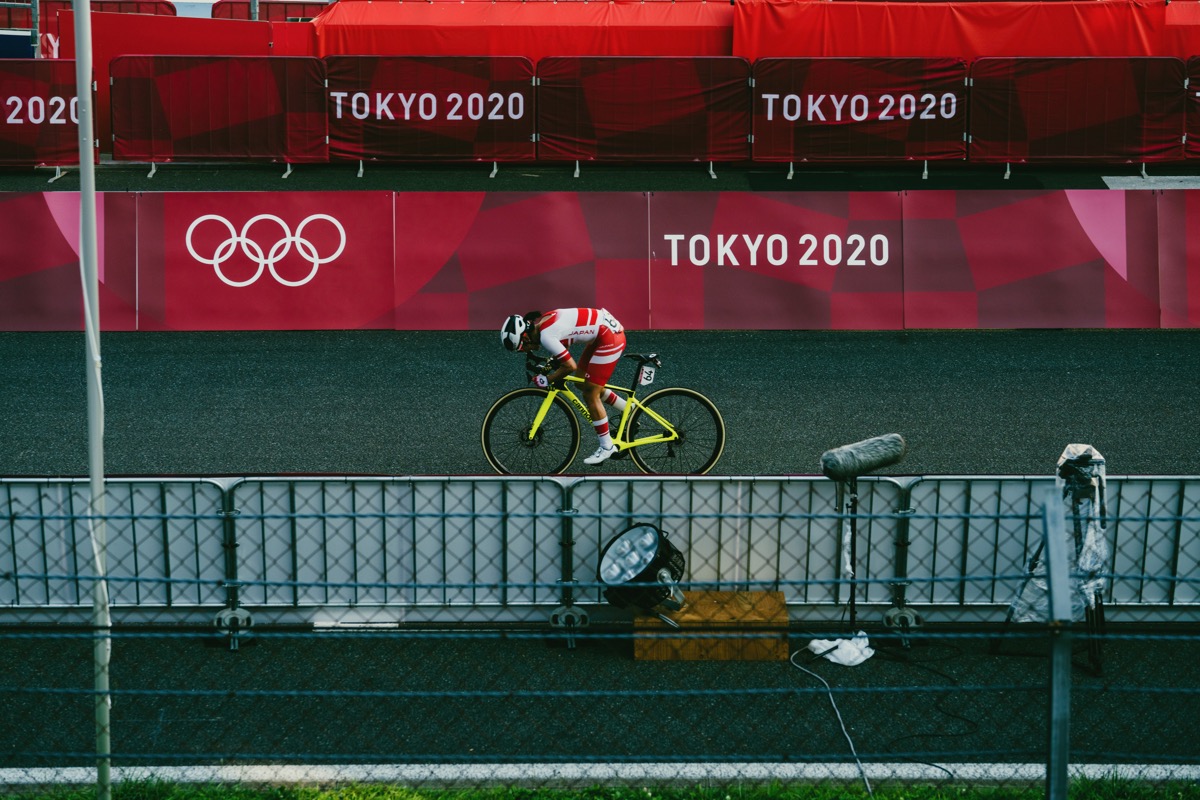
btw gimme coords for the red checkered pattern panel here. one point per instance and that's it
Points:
(1098, 109)
(168, 108)
(650, 109)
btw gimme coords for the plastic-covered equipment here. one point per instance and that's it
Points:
(1081, 479)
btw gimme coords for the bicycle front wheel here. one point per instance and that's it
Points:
(509, 447)
(698, 426)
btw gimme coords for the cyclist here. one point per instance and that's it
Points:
(604, 341)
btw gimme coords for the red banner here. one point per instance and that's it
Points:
(39, 119)
(645, 109)
(167, 108)
(431, 108)
(41, 287)
(265, 261)
(776, 261)
(1099, 109)
(687, 260)
(859, 109)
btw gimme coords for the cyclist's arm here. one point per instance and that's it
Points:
(564, 366)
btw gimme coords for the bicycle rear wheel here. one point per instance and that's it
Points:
(700, 429)
(506, 441)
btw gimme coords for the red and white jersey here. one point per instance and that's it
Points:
(563, 327)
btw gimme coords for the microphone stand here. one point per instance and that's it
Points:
(848, 490)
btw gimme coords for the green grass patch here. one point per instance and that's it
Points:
(1080, 790)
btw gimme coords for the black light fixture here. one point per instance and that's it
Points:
(641, 568)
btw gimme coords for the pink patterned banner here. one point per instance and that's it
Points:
(1052, 259)
(673, 260)
(41, 286)
(804, 260)
(265, 260)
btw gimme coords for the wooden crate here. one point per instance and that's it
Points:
(745, 626)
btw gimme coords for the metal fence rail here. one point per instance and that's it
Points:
(295, 549)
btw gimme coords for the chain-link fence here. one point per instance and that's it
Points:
(473, 632)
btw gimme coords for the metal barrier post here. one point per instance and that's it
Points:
(232, 620)
(1058, 581)
(568, 616)
(900, 616)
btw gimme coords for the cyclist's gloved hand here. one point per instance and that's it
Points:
(542, 381)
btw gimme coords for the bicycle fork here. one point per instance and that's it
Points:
(548, 403)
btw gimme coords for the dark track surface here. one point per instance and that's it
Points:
(405, 403)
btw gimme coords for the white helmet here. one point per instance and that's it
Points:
(512, 332)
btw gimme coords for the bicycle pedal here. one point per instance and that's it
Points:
(619, 454)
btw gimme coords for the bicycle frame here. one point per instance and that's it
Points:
(668, 434)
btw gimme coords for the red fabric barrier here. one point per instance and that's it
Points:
(1192, 114)
(783, 28)
(859, 109)
(436, 108)
(39, 262)
(530, 30)
(1053, 259)
(124, 34)
(1098, 109)
(269, 10)
(196, 107)
(293, 39)
(265, 261)
(654, 109)
(39, 118)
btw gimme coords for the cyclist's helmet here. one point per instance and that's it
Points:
(513, 332)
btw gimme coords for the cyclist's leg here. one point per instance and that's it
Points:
(596, 368)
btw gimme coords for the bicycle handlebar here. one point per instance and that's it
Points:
(537, 365)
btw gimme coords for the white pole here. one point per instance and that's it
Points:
(101, 621)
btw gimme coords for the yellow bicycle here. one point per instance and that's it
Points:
(534, 431)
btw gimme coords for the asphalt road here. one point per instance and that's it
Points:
(408, 403)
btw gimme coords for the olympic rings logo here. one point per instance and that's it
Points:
(269, 259)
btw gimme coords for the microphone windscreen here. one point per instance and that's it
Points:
(852, 460)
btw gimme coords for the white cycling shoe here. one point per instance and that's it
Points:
(601, 455)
